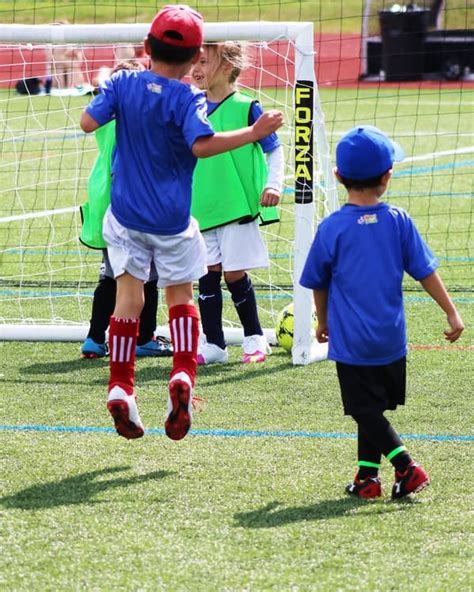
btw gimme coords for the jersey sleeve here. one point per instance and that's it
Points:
(270, 142)
(418, 259)
(102, 107)
(195, 121)
(317, 269)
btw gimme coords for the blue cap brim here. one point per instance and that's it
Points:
(398, 152)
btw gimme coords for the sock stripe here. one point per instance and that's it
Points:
(182, 329)
(190, 334)
(129, 348)
(122, 348)
(114, 348)
(366, 463)
(396, 451)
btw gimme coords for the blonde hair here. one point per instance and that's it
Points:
(128, 65)
(229, 52)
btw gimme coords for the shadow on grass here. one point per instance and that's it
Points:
(65, 366)
(158, 369)
(79, 489)
(272, 515)
(89, 368)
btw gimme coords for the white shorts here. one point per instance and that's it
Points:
(179, 258)
(236, 247)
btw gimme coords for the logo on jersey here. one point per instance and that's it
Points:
(156, 88)
(368, 219)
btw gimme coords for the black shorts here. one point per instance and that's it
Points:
(372, 387)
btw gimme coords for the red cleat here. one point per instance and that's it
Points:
(123, 408)
(413, 480)
(180, 409)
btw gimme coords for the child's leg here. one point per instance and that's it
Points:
(368, 455)
(210, 306)
(380, 433)
(103, 305)
(243, 297)
(184, 328)
(123, 331)
(148, 315)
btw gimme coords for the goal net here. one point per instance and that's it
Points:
(47, 276)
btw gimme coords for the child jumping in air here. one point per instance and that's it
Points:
(161, 129)
(355, 268)
(241, 195)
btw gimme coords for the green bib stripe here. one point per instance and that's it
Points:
(227, 187)
(98, 189)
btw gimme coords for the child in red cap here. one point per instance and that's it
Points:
(161, 128)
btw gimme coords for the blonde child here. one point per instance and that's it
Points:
(232, 194)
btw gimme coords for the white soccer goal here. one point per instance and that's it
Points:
(46, 276)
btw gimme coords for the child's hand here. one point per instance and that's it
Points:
(457, 327)
(269, 197)
(268, 123)
(322, 333)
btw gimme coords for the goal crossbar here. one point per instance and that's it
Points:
(134, 33)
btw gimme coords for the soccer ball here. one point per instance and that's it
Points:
(285, 325)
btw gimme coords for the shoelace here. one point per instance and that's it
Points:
(198, 404)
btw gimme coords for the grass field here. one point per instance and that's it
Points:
(251, 500)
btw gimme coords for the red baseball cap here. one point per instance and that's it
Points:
(179, 25)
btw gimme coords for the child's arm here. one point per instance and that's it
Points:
(276, 165)
(88, 123)
(321, 302)
(266, 124)
(436, 289)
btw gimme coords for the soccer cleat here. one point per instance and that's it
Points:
(256, 349)
(368, 488)
(91, 349)
(123, 408)
(180, 408)
(210, 353)
(159, 347)
(414, 479)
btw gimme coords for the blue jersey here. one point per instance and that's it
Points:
(268, 143)
(157, 122)
(360, 254)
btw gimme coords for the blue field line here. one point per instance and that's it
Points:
(218, 433)
(423, 170)
(274, 296)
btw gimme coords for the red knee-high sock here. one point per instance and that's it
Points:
(184, 328)
(122, 341)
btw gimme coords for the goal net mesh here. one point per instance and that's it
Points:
(46, 275)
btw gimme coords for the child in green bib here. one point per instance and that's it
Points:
(233, 194)
(92, 213)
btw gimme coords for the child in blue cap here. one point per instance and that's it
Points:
(355, 268)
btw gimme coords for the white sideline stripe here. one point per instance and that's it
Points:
(42, 214)
(432, 155)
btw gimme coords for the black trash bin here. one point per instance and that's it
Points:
(403, 43)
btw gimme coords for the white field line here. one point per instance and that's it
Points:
(42, 214)
(45, 213)
(433, 155)
(407, 134)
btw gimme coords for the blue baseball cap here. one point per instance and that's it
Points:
(366, 152)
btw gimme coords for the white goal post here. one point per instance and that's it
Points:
(312, 170)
